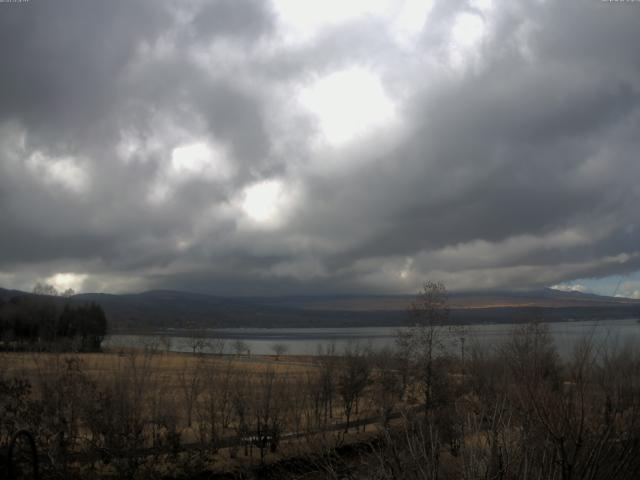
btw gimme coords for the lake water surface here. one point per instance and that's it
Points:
(306, 341)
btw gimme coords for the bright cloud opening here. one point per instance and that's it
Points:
(406, 272)
(466, 33)
(483, 6)
(408, 20)
(265, 202)
(348, 104)
(467, 30)
(199, 158)
(67, 280)
(570, 287)
(62, 172)
(302, 20)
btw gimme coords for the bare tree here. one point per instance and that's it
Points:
(267, 412)
(327, 360)
(208, 408)
(424, 339)
(190, 381)
(240, 347)
(313, 391)
(45, 289)
(352, 380)
(297, 402)
(388, 385)
(217, 344)
(240, 400)
(279, 349)
(165, 342)
(69, 292)
(215, 408)
(197, 344)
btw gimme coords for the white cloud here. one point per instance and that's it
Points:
(199, 160)
(267, 203)
(348, 105)
(407, 20)
(629, 289)
(466, 33)
(483, 6)
(64, 172)
(481, 252)
(301, 21)
(65, 280)
(570, 287)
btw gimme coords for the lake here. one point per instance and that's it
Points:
(305, 341)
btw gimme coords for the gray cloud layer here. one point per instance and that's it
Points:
(512, 161)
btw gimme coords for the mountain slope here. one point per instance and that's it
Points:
(175, 309)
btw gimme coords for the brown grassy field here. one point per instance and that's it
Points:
(97, 365)
(150, 414)
(130, 399)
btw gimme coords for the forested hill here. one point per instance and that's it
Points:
(164, 309)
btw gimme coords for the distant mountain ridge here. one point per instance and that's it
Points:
(176, 309)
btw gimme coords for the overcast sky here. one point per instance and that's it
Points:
(254, 147)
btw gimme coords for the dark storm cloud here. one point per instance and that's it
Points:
(60, 59)
(237, 117)
(236, 19)
(513, 162)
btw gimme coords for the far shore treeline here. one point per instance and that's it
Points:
(50, 322)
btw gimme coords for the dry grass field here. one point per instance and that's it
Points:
(221, 412)
(168, 365)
